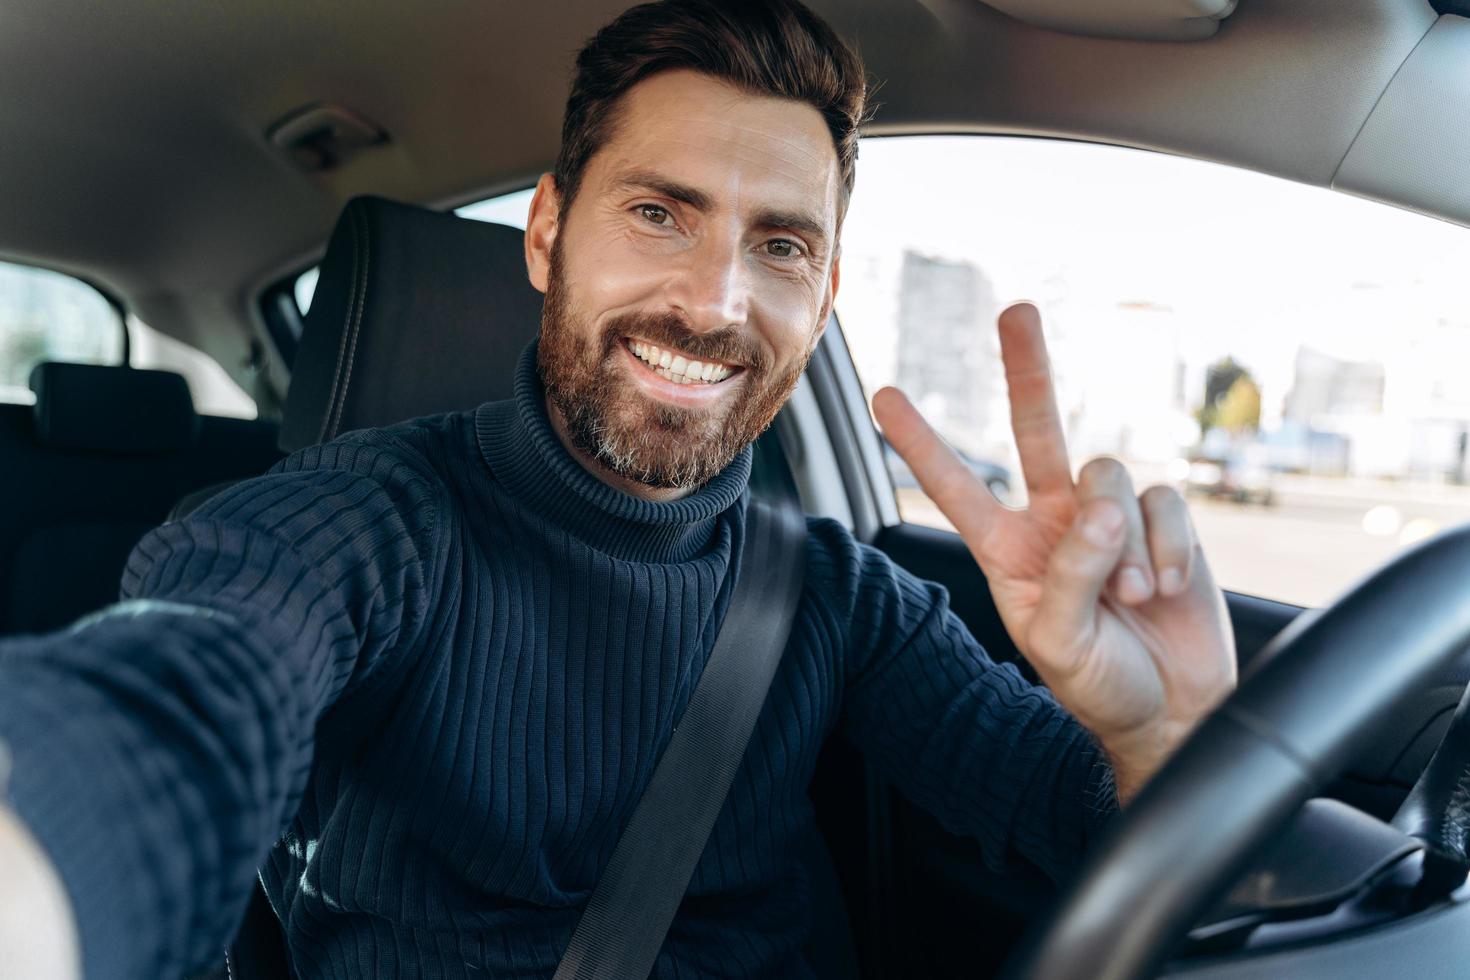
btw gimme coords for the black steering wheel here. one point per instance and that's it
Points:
(1301, 712)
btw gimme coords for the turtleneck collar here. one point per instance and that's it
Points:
(523, 451)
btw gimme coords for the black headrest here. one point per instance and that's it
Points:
(112, 409)
(415, 312)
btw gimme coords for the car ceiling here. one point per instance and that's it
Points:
(135, 151)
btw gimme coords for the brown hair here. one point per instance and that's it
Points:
(768, 47)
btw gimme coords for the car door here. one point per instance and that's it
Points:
(1220, 331)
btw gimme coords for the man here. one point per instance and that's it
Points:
(439, 661)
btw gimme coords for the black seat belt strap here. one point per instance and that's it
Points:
(629, 913)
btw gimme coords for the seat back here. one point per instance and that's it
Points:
(416, 312)
(89, 469)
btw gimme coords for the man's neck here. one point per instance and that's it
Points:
(615, 480)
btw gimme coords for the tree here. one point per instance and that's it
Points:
(1240, 409)
(1220, 377)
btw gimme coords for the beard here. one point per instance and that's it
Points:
(656, 444)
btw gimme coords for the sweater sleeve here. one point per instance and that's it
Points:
(990, 755)
(160, 746)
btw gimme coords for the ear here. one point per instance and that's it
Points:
(542, 225)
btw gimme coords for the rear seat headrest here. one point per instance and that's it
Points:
(112, 409)
(416, 312)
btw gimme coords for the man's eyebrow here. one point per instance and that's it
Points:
(648, 180)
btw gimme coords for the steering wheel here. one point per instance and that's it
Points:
(1303, 709)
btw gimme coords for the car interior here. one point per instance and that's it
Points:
(189, 165)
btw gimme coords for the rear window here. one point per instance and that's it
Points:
(48, 316)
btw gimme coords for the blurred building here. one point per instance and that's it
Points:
(1327, 385)
(948, 356)
(1122, 381)
(1406, 417)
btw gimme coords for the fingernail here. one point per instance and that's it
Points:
(1170, 581)
(1132, 584)
(1103, 524)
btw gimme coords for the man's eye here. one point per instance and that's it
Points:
(783, 249)
(654, 213)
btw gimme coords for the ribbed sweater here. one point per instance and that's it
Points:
(419, 676)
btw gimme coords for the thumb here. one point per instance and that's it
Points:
(1065, 621)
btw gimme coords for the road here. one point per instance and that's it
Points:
(1318, 538)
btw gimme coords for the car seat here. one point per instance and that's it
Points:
(89, 469)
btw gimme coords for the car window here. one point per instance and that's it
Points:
(1290, 357)
(504, 209)
(48, 316)
(214, 392)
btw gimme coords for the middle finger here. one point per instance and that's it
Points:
(1035, 420)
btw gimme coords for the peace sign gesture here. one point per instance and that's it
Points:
(1105, 592)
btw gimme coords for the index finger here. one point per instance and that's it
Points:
(941, 473)
(1035, 421)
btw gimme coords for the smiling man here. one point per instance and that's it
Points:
(686, 291)
(423, 674)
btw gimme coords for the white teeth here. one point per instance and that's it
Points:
(677, 368)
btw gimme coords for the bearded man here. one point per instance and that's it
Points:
(513, 604)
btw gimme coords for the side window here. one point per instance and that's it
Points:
(506, 209)
(47, 316)
(213, 390)
(1290, 358)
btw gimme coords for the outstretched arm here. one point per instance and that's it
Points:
(160, 746)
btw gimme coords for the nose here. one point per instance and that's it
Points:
(711, 289)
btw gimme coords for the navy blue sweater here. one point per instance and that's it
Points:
(420, 675)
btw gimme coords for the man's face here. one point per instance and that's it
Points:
(704, 230)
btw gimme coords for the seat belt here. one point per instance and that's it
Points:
(626, 919)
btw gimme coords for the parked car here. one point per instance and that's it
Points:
(995, 476)
(1242, 474)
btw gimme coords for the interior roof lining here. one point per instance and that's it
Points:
(1284, 88)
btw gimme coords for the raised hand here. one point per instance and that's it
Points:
(1105, 591)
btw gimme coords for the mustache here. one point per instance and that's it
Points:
(728, 345)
